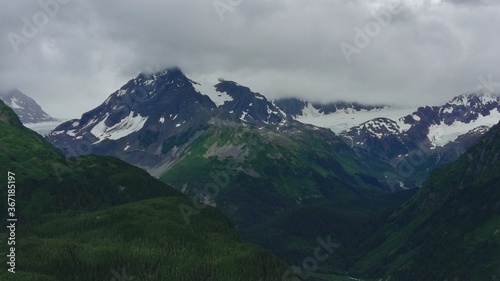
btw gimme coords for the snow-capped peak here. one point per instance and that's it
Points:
(379, 127)
(474, 99)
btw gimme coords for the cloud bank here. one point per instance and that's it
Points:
(70, 55)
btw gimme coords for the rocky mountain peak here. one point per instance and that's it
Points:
(25, 107)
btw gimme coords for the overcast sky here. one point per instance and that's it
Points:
(418, 52)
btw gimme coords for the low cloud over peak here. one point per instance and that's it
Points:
(70, 55)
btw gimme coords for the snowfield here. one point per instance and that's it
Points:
(125, 127)
(205, 87)
(343, 120)
(442, 134)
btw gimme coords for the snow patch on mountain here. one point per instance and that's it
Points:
(71, 133)
(14, 105)
(243, 116)
(207, 88)
(121, 93)
(441, 134)
(125, 127)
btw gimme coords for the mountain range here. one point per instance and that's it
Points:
(291, 176)
(153, 119)
(165, 125)
(437, 134)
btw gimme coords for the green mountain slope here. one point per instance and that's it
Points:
(293, 235)
(148, 240)
(50, 183)
(451, 229)
(99, 218)
(254, 173)
(283, 187)
(8, 116)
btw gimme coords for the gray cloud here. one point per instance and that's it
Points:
(473, 2)
(429, 52)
